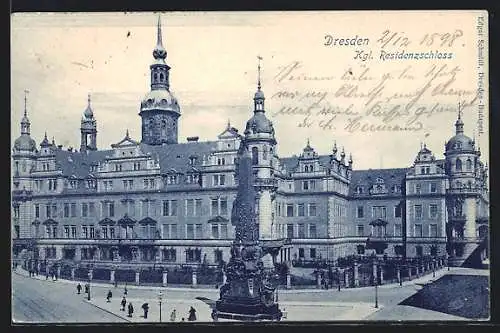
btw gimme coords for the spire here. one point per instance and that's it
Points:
(259, 95)
(25, 122)
(228, 123)
(335, 148)
(127, 135)
(459, 125)
(45, 142)
(159, 52)
(88, 113)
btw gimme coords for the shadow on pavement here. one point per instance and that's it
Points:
(459, 295)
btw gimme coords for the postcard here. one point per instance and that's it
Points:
(207, 167)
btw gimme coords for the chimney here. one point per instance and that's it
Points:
(192, 139)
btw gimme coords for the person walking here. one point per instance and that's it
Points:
(125, 291)
(173, 315)
(130, 309)
(79, 288)
(145, 307)
(108, 297)
(192, 314)
(86, 288)
(123, 303)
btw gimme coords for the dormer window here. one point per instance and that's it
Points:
(359, 189)
(379, 180)
(192, 160)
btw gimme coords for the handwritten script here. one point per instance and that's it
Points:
(364, 100)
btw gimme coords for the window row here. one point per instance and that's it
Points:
(432, 188)
(379, 231)
(300, 230)
(300, 209)
(378, 211)
(418, 211)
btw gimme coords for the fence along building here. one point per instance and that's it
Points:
(164, 201)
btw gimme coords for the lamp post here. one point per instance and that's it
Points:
(434, 267)
(160, 298)
(88, 294)
(376, 287)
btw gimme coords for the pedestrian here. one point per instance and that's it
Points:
(46, 275)
(123, 303)
(86, 288)
(130, 309)
(145, 307)
(79, 288)
(192, 314)
(125, 291)
(172, 315)
(108, 297)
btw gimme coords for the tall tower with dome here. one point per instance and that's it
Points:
(160, 110)
(88, 129)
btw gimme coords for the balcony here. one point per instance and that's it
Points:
(463, 240)
(457, 218)
(462, 190)
(266, 182)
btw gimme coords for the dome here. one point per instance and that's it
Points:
(460, 142)
(259, 94)
(160, 100)
(259, 124)
(88, 113)
(25, 142)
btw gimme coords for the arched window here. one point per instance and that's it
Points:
(458, 165)
(469, 164)
(161, 77)
(311, 168)
(306, 168)
(255, 156)
(156, 77)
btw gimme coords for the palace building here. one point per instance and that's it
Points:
(159, 200)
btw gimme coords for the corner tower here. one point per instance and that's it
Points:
(88, 129)
(159, 108)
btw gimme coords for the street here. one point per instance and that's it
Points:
(40, 300)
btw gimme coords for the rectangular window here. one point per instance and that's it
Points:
(145, 208)
(170, 208)
(397, 230)
(214, 207)
(37, 211)
(360, 212)
(305, 185)
(54, 232)
(289, 230)
(418, 211)
(433, 211)
(111, 232)
(418, 230)
(47, 210)
(312, 184)
(54, 210)
(312, 209)
(73, 209)
(312, 231)
(199, 231)
(215, 231)
(360, 230)
(418, 188)
(85, 209)
(104, 231)
(223, 206)
(85, 231)
(301, 209)
(223, 231)
(302, 230)
(301, 253)
(189, 231)
(47, 231)
(312, 253)
(92, 209)
(433, 188)
(433, 230)
(66, 231)
(379, 212)
(289, 210)
(397, 211)
(92, 232)
(198, 210)
(189, 207)
(73, 231)
(66, 210)
(173, 231)
(111, 209)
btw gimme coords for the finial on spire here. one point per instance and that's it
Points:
(88, 98)
(159, 38)
(26, 91)
(45, 137)
(228, 123)
(308, 142)
(126, 134)
(258, 68)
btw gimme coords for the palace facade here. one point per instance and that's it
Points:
(159, 200)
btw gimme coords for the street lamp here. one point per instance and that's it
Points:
(376, 287)
(434, 267)
(160, 298)
(88, 294)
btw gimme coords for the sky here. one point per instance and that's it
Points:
(62, 57)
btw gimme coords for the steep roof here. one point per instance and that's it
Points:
(367, 178)
(77, 163)
(291, 163)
